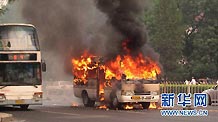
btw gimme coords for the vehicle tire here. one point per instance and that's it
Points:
(209, 100)
(24, 107)
(86, 100)
(145, 105)
(115, 103)
(91, 103)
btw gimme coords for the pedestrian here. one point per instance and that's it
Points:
(187, 82)
(193, 81)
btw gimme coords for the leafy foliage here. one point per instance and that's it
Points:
(165, 32)
(167, 22)
(3, 9)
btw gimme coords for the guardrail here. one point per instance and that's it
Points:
(183, 88)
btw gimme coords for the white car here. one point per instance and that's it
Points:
(212, 95)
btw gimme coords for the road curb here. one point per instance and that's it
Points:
(4, 117)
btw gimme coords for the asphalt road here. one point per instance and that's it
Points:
(57, 108)
(81, 114)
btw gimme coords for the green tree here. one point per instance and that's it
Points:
(167, 22)
(202, 46)
(165, 32)
(4, 8)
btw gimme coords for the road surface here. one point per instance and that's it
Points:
(81, 114)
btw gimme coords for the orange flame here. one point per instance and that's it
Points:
(74, 104)
(128, 107)
(152, 105)
(102, 107)
(86, 67)
(132, 67)
(138, 67)
(101, 92)
(82, 65)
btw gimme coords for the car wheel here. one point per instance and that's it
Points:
(91, 103)
(115, 103)
(209, 100)
(86, 100)
(145, 105)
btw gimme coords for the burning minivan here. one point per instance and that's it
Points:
(121, 83)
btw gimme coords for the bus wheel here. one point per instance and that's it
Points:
(86, 100)
(145, 105)
(209, 100)
(24, 107)
(115, 103)
(91, 103)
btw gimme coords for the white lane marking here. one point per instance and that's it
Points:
(77, 115)
(213, 110)
(95, 116)
(52, 112)
(15, 120)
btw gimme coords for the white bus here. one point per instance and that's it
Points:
(20, 66)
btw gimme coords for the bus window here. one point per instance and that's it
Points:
(20, 74)
(18, 38)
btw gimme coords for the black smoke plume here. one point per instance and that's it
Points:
(69, 27)
(125, 17)
(66, 29)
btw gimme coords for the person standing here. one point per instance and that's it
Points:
(187, 82)
(193, 81)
